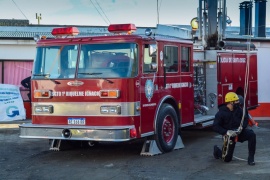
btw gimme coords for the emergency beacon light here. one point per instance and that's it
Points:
(67, 31)
(119, 28)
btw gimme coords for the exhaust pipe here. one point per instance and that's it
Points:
(236, 46)
(66, 133)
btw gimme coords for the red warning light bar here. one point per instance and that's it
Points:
(67, 31)
(119, 28)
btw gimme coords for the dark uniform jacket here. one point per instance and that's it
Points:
(228, 120)
(26, 82)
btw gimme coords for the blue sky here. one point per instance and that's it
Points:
(84, 12)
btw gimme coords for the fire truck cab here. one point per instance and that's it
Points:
(121, 86)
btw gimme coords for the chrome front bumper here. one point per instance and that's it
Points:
(88, 133)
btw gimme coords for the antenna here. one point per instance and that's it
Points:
(38, 17)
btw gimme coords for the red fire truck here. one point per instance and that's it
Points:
(123, 86)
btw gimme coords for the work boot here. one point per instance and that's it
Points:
(251, 160)
(216, 153)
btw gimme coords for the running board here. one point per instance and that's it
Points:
(203, 121)
(150, 147)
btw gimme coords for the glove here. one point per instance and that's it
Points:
(231, 133)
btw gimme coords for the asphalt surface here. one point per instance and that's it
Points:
(31, 159)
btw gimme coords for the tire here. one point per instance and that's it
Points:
(166, 128)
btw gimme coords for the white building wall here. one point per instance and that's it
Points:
(263, 74)
(17, 49)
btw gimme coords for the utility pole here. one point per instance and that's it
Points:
(157, 13)
(38, 17)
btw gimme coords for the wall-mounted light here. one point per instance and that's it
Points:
(194, 24)
(228, 20)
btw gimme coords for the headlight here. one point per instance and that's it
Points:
(44, 109)
(110, 109)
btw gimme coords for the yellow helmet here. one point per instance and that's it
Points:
(231, 96)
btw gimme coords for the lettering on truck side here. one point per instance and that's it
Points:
(232, 60)
(75, 93)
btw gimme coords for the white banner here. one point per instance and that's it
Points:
(11, 103)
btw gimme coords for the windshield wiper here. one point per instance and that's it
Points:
(47, 76)
(109, 81)
(91, 73)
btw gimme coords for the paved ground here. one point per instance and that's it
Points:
(31, 159)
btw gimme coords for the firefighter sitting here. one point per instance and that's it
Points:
(228, 123)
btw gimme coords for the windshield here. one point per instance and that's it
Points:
(114, 60)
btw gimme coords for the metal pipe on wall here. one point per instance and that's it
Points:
(200, 19)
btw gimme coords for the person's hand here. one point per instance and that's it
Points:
(231, 133)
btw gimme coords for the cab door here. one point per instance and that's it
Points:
(148, 90)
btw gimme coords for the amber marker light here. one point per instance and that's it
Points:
(109, 93)
(42, 94)
(113, 93)
(43, 37)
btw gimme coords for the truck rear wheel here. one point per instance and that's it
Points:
(166, 128)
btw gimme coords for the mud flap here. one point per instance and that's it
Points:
(150, 147)
(55, 145)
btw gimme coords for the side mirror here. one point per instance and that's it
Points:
(152, 50)
(153, 66)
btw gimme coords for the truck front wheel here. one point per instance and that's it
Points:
(166, 128)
